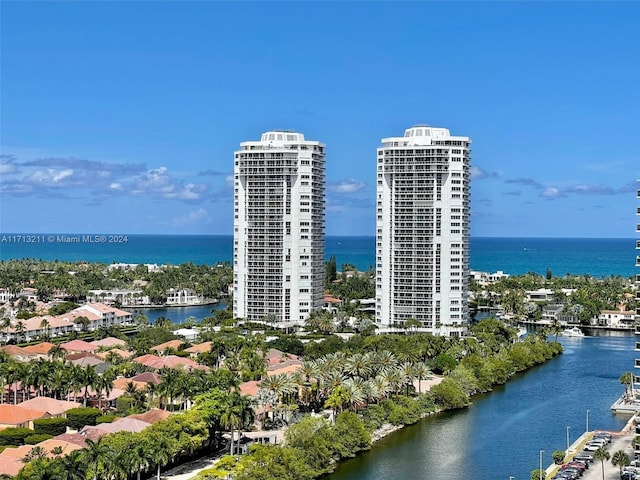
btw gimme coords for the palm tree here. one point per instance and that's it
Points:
(601, 454)
(626, 379)
(73, 466)
(35, 453)
(89, 379)
(230, 420)
(95, 456)
(161, 452)
(620, 459)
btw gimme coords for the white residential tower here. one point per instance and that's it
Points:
(422, 231)
(278, 241)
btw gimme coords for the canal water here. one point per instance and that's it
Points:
(501, 435)
(180, 314)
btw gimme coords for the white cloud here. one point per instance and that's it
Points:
(195, 217)
(346, 186)
(551, 192)
(50, 177)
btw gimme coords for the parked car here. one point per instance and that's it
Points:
(586, 456)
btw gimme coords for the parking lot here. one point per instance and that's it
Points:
(594, 472)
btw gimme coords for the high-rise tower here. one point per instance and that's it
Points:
(422, 230)
(278, 239)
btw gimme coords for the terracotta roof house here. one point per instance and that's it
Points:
(194, 350)
(123, 425)
(173, 344)
(123, 383)
(76, 346)
(249, 388)
(77, 356)
(16, 416)
(275, 357)
(110, 342)
(65, 447)
(123, 353)
(87, 361)
(11, 459)
(41, 348)
(80, 439)
(170, 361)
(152, 416)
(52, 406)
(148, 377)
(18, 353)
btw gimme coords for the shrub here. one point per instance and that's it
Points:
(50, 426)
(558, 457)
(124, 404)
(79, 417)
(36, 438)
(14, 436)
(105, 419)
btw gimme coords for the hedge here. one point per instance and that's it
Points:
(79, 417)
(50, 426)
(37, 438)
(14, 436)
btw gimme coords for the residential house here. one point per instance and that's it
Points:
(51, 406)
(623, 319)
(18, 416)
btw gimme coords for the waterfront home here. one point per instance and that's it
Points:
(183, 296)
(617, 318)
(551, 312)
(126, 298)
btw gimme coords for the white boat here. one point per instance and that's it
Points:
(572, 332)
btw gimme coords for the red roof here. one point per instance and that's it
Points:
(152, 416)
(79, 346)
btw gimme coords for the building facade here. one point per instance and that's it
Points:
(422, 231)
(636, 373)
(279, 222)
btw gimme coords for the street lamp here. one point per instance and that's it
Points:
(568, 428)
(587, 421)
(541, 452)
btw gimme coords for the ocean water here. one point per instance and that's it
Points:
(598, 257)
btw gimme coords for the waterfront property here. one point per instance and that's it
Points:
(422, 225)
(278, 248)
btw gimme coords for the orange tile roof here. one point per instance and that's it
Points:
(15, 351)
(200, 348)
(51, 406)
(41, 348)
(66, 447)
(16, 415)
(175, 344)
(152, 416)
(123, 353)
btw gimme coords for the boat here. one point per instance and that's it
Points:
(572, 332)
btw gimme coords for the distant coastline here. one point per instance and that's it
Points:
(597, 257)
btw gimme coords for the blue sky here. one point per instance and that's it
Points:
(122, 117)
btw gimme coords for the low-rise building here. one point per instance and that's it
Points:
(617, 318)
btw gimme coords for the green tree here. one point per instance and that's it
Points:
(558, 456)
(626, 379)
(620, 459)
(601, 454)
